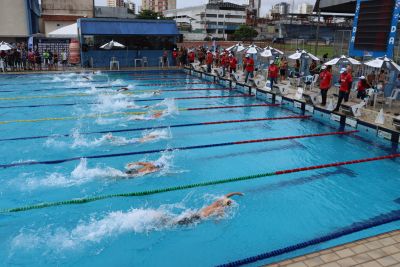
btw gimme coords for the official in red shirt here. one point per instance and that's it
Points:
(345, 85)
(361, 87)
(209, 60)
(174, 56)
(224, 60)
(191, 56)
(232, 63)
(325, 82)
(272, 73)
(249, 67)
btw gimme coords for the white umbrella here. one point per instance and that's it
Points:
(5, 46)
(270, 51)
(112, 44)
(383, 62)
(253, 49)
(236, 48)
(343, 60)
(302, 54)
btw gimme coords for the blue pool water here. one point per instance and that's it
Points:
(276, 211)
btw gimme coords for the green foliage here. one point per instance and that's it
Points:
(245, 33)
(149, 14)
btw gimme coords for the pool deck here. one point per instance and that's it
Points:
(376, 251)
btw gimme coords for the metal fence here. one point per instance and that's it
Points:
(341, 40)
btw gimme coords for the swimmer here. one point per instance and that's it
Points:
(216, 208)
(122, 89)
(157, 114)
(158, 92)
(109, 137)
(87, 78)
(149, 137)
(142, 168)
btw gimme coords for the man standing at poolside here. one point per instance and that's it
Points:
(325, 82)
(272, 73)
(209, 60)
(249, 67)
(345, 84)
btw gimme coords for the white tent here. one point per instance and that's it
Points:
(112, 44)
(302, 54)
(343, 60)
(5, 46)
(270, 51)
(237, 48)
(383, 62)
(70, 31)
(253, 49)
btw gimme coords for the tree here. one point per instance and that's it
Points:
(149, 14)
(245, 33)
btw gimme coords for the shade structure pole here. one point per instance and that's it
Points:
(317, 33)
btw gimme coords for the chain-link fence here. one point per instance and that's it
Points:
(341, 41)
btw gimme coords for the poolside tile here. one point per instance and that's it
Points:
(329, 257)
(359, 249)
(371, 264)
(345, 253)
(361, 258)
(391, 249)
(347, 262)
(373, 245)
(331, 264)
(317, 261)
(387, 241)
(396, 256)
(387, 261)
(377, 253)
(296, 264)
(286, 262)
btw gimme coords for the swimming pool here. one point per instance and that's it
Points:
(54, 147)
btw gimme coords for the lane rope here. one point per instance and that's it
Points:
(132, 100)
(124, 154)
(125, 93)
(106, 115)
(195, 185)
(162, 127)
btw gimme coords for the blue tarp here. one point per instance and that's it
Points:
(127, 27)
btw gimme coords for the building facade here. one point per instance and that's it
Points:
(158, 5)
(213, 20)
(60, 13)
(115, 3)
(281, 8)
(305, 8)
(19, 19)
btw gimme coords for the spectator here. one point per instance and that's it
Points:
(64, 58)
(361, 87)
(209, 60)
(325, 82)
(232, 63)
(345, 81)
(224, 59)
(191, 56)
(174, 57)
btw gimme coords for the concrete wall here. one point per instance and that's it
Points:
(13, 18)
(113, 12)
(50, 26)
(71, 7)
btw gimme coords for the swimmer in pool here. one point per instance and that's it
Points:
(122, 89)
(148, 138)
(142, 168)
(216, 208)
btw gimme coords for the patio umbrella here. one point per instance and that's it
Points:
(5, 46)
(343, 60)
(383, 62)
(236, 48)
(112, 44)
(270, 51)
(303, 54)
(253, 49)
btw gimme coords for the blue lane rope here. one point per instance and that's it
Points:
(381, 219)
(48, 162)
(159, 127)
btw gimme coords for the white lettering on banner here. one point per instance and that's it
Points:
(310, 108)
(354, 29)
(391, 40)
(335, 117)
(352, 39)
(393, 29)
(384, 134)
(351, 122)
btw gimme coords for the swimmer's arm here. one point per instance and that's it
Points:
(233, 194)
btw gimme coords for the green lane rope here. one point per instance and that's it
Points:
(189, 186)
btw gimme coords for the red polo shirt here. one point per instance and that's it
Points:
(325, 80)
(250, 65)
(273, 71)
(345, 80)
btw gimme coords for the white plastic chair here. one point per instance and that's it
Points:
(145, 62)
(2, 65)
(113, 62)
(393, 96)
(161, 62)
(314, 81)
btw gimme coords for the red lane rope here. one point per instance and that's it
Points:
(192, 89)
(258, 119)
(172, 84)
(207, 97)
(337, 164)
(240, 106)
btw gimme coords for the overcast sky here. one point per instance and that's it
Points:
(265, 4)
